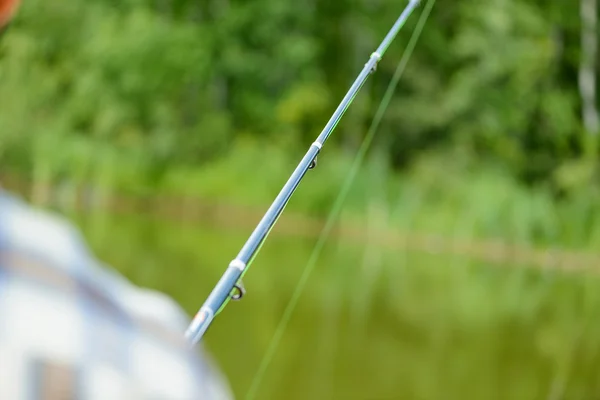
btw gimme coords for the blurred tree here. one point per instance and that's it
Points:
(175, 81)
(588, 68)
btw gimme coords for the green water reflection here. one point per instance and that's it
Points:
(372, 324)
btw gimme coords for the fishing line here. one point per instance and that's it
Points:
(334, 213)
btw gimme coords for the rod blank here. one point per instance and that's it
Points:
(229, 282)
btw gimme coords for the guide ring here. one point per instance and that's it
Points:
(238, 291)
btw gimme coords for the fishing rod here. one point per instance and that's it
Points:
(230, 285)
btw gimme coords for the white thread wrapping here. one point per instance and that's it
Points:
(239, 264)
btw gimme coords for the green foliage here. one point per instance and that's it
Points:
(172, 83)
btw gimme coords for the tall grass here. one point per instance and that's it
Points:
(446, 194)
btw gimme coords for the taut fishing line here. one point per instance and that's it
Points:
(336, 209)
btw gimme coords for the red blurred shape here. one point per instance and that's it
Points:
(7, 10)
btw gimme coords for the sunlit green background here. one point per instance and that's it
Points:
(463, 265)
